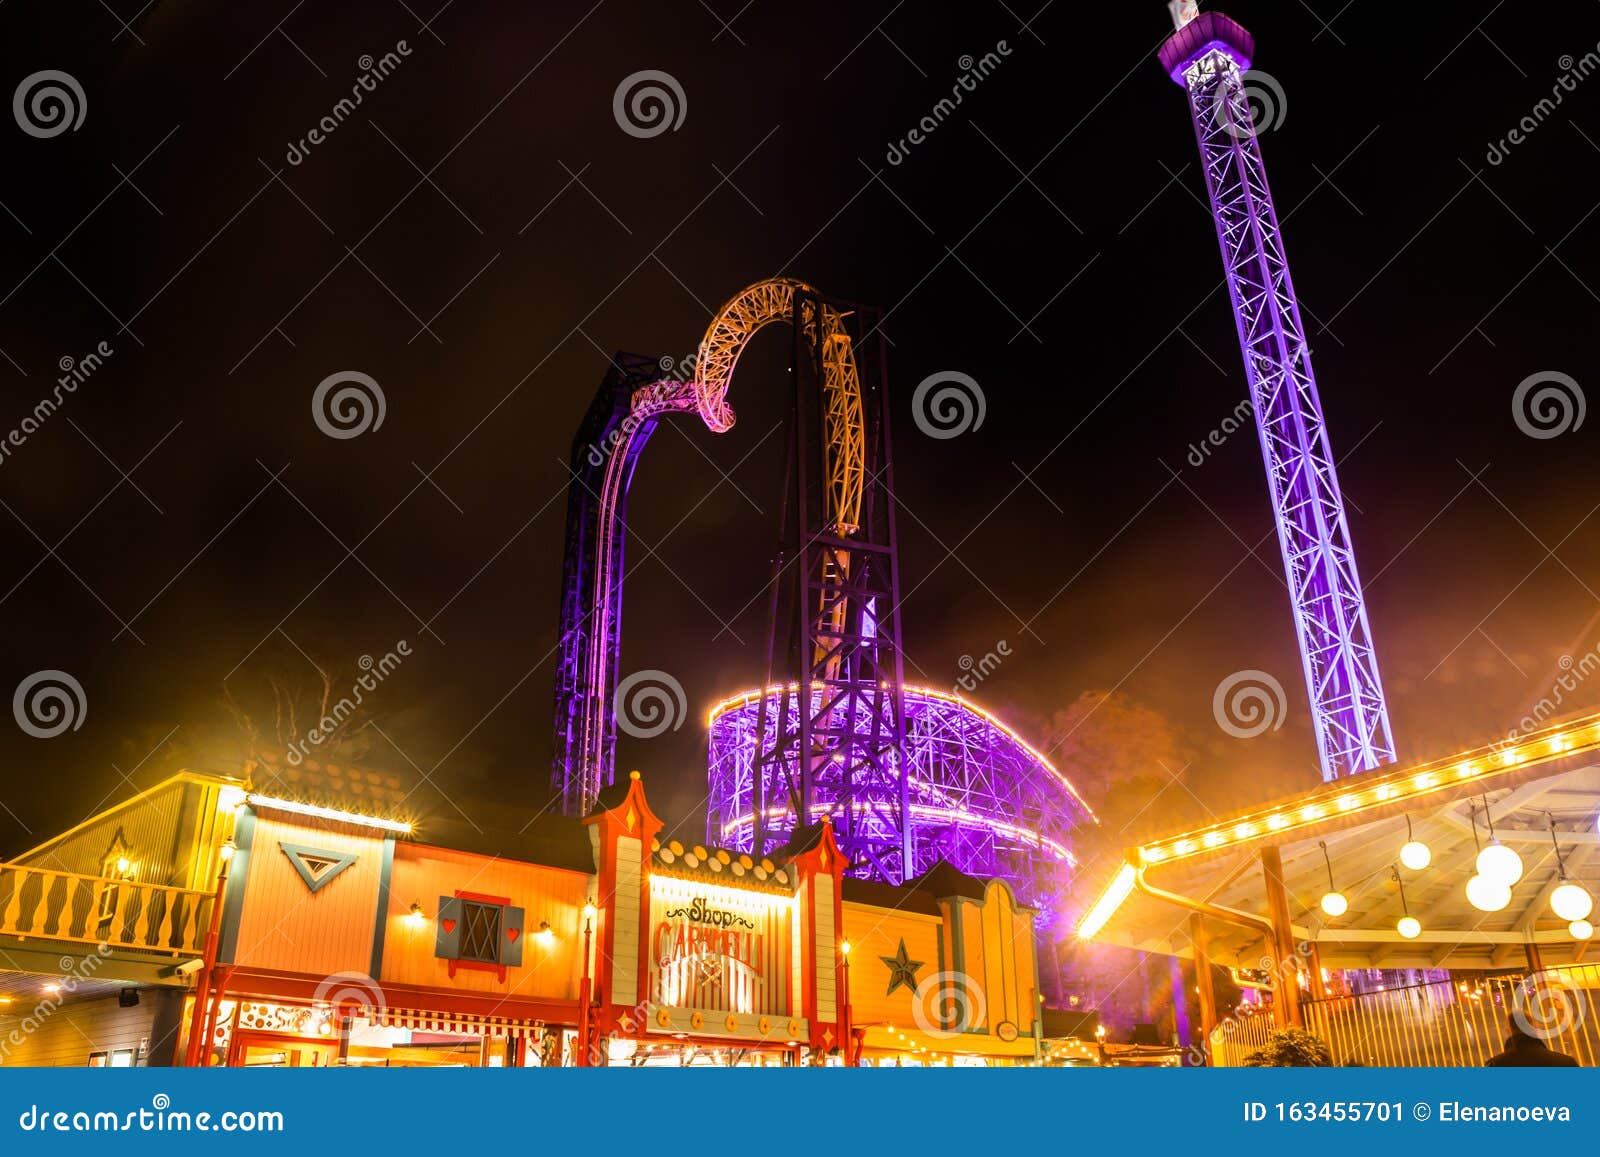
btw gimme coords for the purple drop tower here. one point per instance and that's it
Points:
(1209, 55)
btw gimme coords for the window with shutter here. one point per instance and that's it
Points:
(447, 935)
(480, 932)
(477, 931)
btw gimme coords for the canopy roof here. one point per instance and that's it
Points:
(1549, 776)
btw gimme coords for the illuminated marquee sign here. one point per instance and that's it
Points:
(720, 949)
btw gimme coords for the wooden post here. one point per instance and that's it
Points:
(198, 1050)
(1203, 978)
(1286, 971)
(1319, 987)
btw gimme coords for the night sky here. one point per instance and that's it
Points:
(481, 235)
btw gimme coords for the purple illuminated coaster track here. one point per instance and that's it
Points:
(981, 797)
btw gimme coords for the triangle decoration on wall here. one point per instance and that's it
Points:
(316, 866)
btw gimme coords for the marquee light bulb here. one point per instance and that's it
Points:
(1409, 927)
(1571, 902)
(1488, 895)
(1499, 864)
(1416, 855)
(1335, 904)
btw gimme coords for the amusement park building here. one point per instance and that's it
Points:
(301, 917)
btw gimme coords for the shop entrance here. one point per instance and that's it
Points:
(267, 1050)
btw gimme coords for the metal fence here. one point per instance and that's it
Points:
(1240, 1035)
(1460, 1021)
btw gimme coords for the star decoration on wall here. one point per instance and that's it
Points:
(902, 969)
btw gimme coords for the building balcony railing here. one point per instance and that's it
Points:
(63, 907)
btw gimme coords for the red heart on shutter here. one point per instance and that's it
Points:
(513, 933)
(449, 926)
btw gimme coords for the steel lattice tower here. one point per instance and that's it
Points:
(1208, 55)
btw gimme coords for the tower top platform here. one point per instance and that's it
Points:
(1206, 33)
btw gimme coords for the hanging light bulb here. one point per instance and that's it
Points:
(1569, 901)
(1415, 854)
(1581, 929)
(1488, 895)
(1498, 862)
(1334, 902)
(1408, 926)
